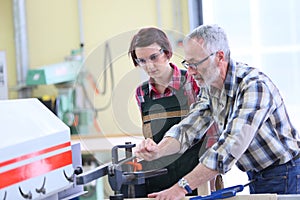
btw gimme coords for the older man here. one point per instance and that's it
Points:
(255, 131)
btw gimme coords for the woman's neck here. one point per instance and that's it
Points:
(162, 82)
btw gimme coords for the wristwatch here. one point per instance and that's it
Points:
(185, 185)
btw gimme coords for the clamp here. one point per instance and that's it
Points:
(116, 175)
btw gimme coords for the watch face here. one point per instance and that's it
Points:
(182, 183)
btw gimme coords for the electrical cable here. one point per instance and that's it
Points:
(107, 65)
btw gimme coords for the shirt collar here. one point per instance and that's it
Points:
(230, 81)
(173, 84)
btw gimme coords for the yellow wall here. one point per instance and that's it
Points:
(53, 28)
(53, 31)
(7, 41)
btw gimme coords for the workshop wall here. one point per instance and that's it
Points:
(53, 29)
(7, 41)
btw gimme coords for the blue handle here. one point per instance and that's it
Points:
(221, 194)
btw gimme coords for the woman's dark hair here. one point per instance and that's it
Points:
(148, 36)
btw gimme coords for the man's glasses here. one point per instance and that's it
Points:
(194, 65)
(152, 58)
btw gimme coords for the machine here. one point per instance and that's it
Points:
(66, 106)
(75, 80)
(36, 152)
(38, 160)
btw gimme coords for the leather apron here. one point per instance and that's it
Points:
(158, 117)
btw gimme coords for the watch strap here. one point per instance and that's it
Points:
(185, 185)
(188, 189)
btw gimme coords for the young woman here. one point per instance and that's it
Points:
(163, 101)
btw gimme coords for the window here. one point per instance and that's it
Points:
(265, 34)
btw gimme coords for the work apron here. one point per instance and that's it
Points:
(158, 116)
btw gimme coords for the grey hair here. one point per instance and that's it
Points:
(214, 38)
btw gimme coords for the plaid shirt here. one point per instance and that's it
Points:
(191, 88)
(254, 127)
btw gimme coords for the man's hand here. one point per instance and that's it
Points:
(147, 150)
(173, 193)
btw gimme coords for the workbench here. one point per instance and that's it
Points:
(250, 197)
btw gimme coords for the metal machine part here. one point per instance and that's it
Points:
(37, 153)
(116, 174)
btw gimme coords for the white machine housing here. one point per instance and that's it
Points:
(36, 151)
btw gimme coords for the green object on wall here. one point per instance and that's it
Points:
(53, 74)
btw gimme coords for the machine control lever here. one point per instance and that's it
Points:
(25, 196)
(42, 189)
(78, 170)
(5, 194)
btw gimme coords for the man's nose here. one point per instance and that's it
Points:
(191, 71)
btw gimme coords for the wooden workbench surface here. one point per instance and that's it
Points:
(238, 197)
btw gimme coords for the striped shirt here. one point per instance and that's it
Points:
(191, 88)
(253, 125)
